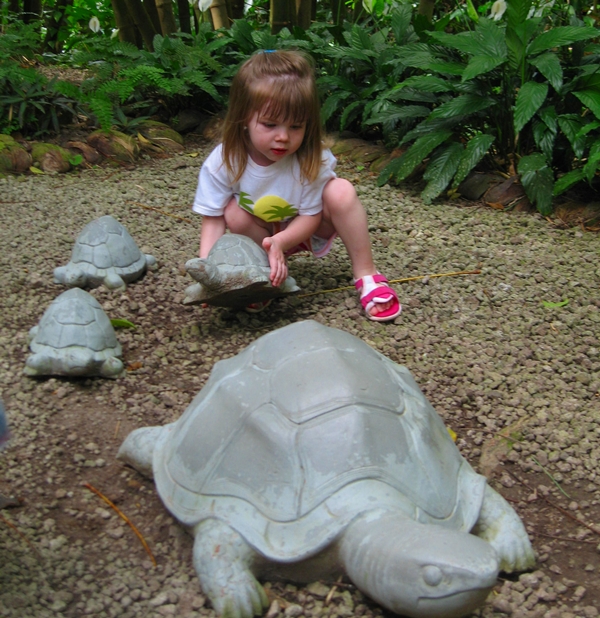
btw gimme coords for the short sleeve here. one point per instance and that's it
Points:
(312, 195)
(214, 187)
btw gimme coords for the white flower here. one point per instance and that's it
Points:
(498, 9)
(115, 33)
(539, 11)
(204, 5)
(94, 24)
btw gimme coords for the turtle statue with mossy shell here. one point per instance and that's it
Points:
(309, 454)
(104, 254)
(234, 274)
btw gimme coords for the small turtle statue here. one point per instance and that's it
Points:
(104, 253)
(309, 453)
(74, 338)
(235, 274)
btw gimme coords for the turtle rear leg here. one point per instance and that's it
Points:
(222, 560)
(499, 525)
(417, 570)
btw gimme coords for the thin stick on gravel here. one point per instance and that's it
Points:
(11, 525)
(558, 508)
(124, 518)
(405, 280)
(162, 212)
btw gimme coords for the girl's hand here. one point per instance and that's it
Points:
(279, 269)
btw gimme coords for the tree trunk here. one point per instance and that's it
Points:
(282, 14)
(128, 33)
(426, 8)
(13, 7)
(150, 6)
(235, 9)
(185, 22)
(338, 8)
(304, 13)
(32, 10)
(137, 11)
(218, 12)
(168, 25)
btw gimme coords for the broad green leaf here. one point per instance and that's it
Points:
(517, 38)
(332, 104)
(472, 154)
(396, 113)
(567, 181)
(121, 323)
(551, 305)
(465, 42)
(350, 113)
(593, 159)
(401, 18)
(588, 128)
(491, 38)
(591, 99)
(462, 105)
(481, 64)
(537, 180)
(570, 124)
(440, 171)
(549, 66)
(446, 68)
(517, 11)
(559, 36)
(400, 168)
(361, 39)
(428, 83)
(544, 137)
(530, 98)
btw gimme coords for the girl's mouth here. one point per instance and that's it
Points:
(278, 151)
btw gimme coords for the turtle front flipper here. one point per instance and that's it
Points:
(499, 525)
(223, 560)
(418, 570)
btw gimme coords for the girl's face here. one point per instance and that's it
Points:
(271, 139)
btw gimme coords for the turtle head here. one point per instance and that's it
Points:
(419, 570)
(71, 276)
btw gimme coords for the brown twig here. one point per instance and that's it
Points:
(556, 506)
(11, 525)
(405, 280)
(162, 212)
(564, 538)
(124, 518)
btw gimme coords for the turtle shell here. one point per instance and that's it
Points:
(301, 432)
(75, 319)
(104, 246)
(235, 252)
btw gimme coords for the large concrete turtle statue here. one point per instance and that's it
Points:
(234, 274)
(310, 453)
(104, 253)
(74, 338)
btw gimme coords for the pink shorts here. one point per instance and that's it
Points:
(318, 246)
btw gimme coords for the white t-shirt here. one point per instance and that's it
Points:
(274, 192)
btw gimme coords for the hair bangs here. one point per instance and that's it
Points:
(286, 100)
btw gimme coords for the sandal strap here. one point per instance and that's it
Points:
(377, 278)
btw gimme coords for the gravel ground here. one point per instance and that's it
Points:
(517, 379)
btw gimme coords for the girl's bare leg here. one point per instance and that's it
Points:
(344, 214)
(240, 221)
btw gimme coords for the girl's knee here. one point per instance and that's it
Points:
(339, 191)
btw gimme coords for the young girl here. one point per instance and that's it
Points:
(272, 180)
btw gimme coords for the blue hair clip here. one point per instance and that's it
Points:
(269, 51)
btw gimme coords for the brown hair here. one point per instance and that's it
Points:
(281, 85)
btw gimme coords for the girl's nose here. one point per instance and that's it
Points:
(282, 134)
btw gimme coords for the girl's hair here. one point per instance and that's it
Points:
(280, 85)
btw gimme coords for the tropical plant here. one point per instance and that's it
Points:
(518, 91)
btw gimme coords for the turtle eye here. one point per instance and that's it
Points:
(432, 575)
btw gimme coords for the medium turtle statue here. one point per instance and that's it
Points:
(104, 253)
(234, 274)
(310, 454)
(74, 338)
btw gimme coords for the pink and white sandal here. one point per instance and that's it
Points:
(373, 290)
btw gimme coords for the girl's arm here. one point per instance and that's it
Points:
(212, 229)
(300, 228)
